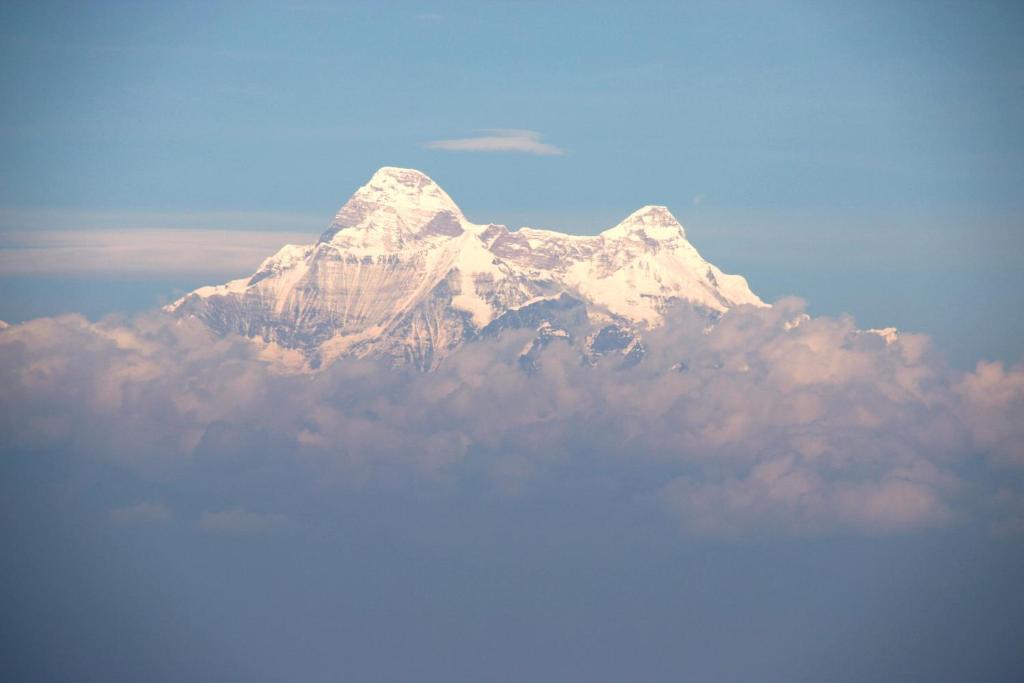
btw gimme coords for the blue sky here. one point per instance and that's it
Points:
(865, 156)
(285, 106)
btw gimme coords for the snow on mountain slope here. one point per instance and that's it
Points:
(633, 270)
(396, 209)
(401, 273)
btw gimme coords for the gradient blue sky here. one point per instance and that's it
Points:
(865, 156)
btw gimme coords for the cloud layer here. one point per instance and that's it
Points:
(770, 422)
(499, 140)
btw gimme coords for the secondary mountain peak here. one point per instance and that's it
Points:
(651, 221)
(394, 206)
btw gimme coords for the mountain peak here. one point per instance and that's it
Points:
(404, 176)
(394, 205)
(651, 221)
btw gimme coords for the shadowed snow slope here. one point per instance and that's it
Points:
(400, 273)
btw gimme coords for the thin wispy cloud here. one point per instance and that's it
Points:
(237, 521)
(499, 140)
(141, 514)
(138, 251)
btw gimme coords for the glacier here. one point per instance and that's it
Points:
(401, 274)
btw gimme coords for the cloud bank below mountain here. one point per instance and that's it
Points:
(768, 422)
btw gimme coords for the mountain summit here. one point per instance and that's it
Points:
(400, 273)
(397, 206)
(653, 222)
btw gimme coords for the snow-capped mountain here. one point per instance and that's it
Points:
(401, 273)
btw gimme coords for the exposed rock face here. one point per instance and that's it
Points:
(401, 273)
